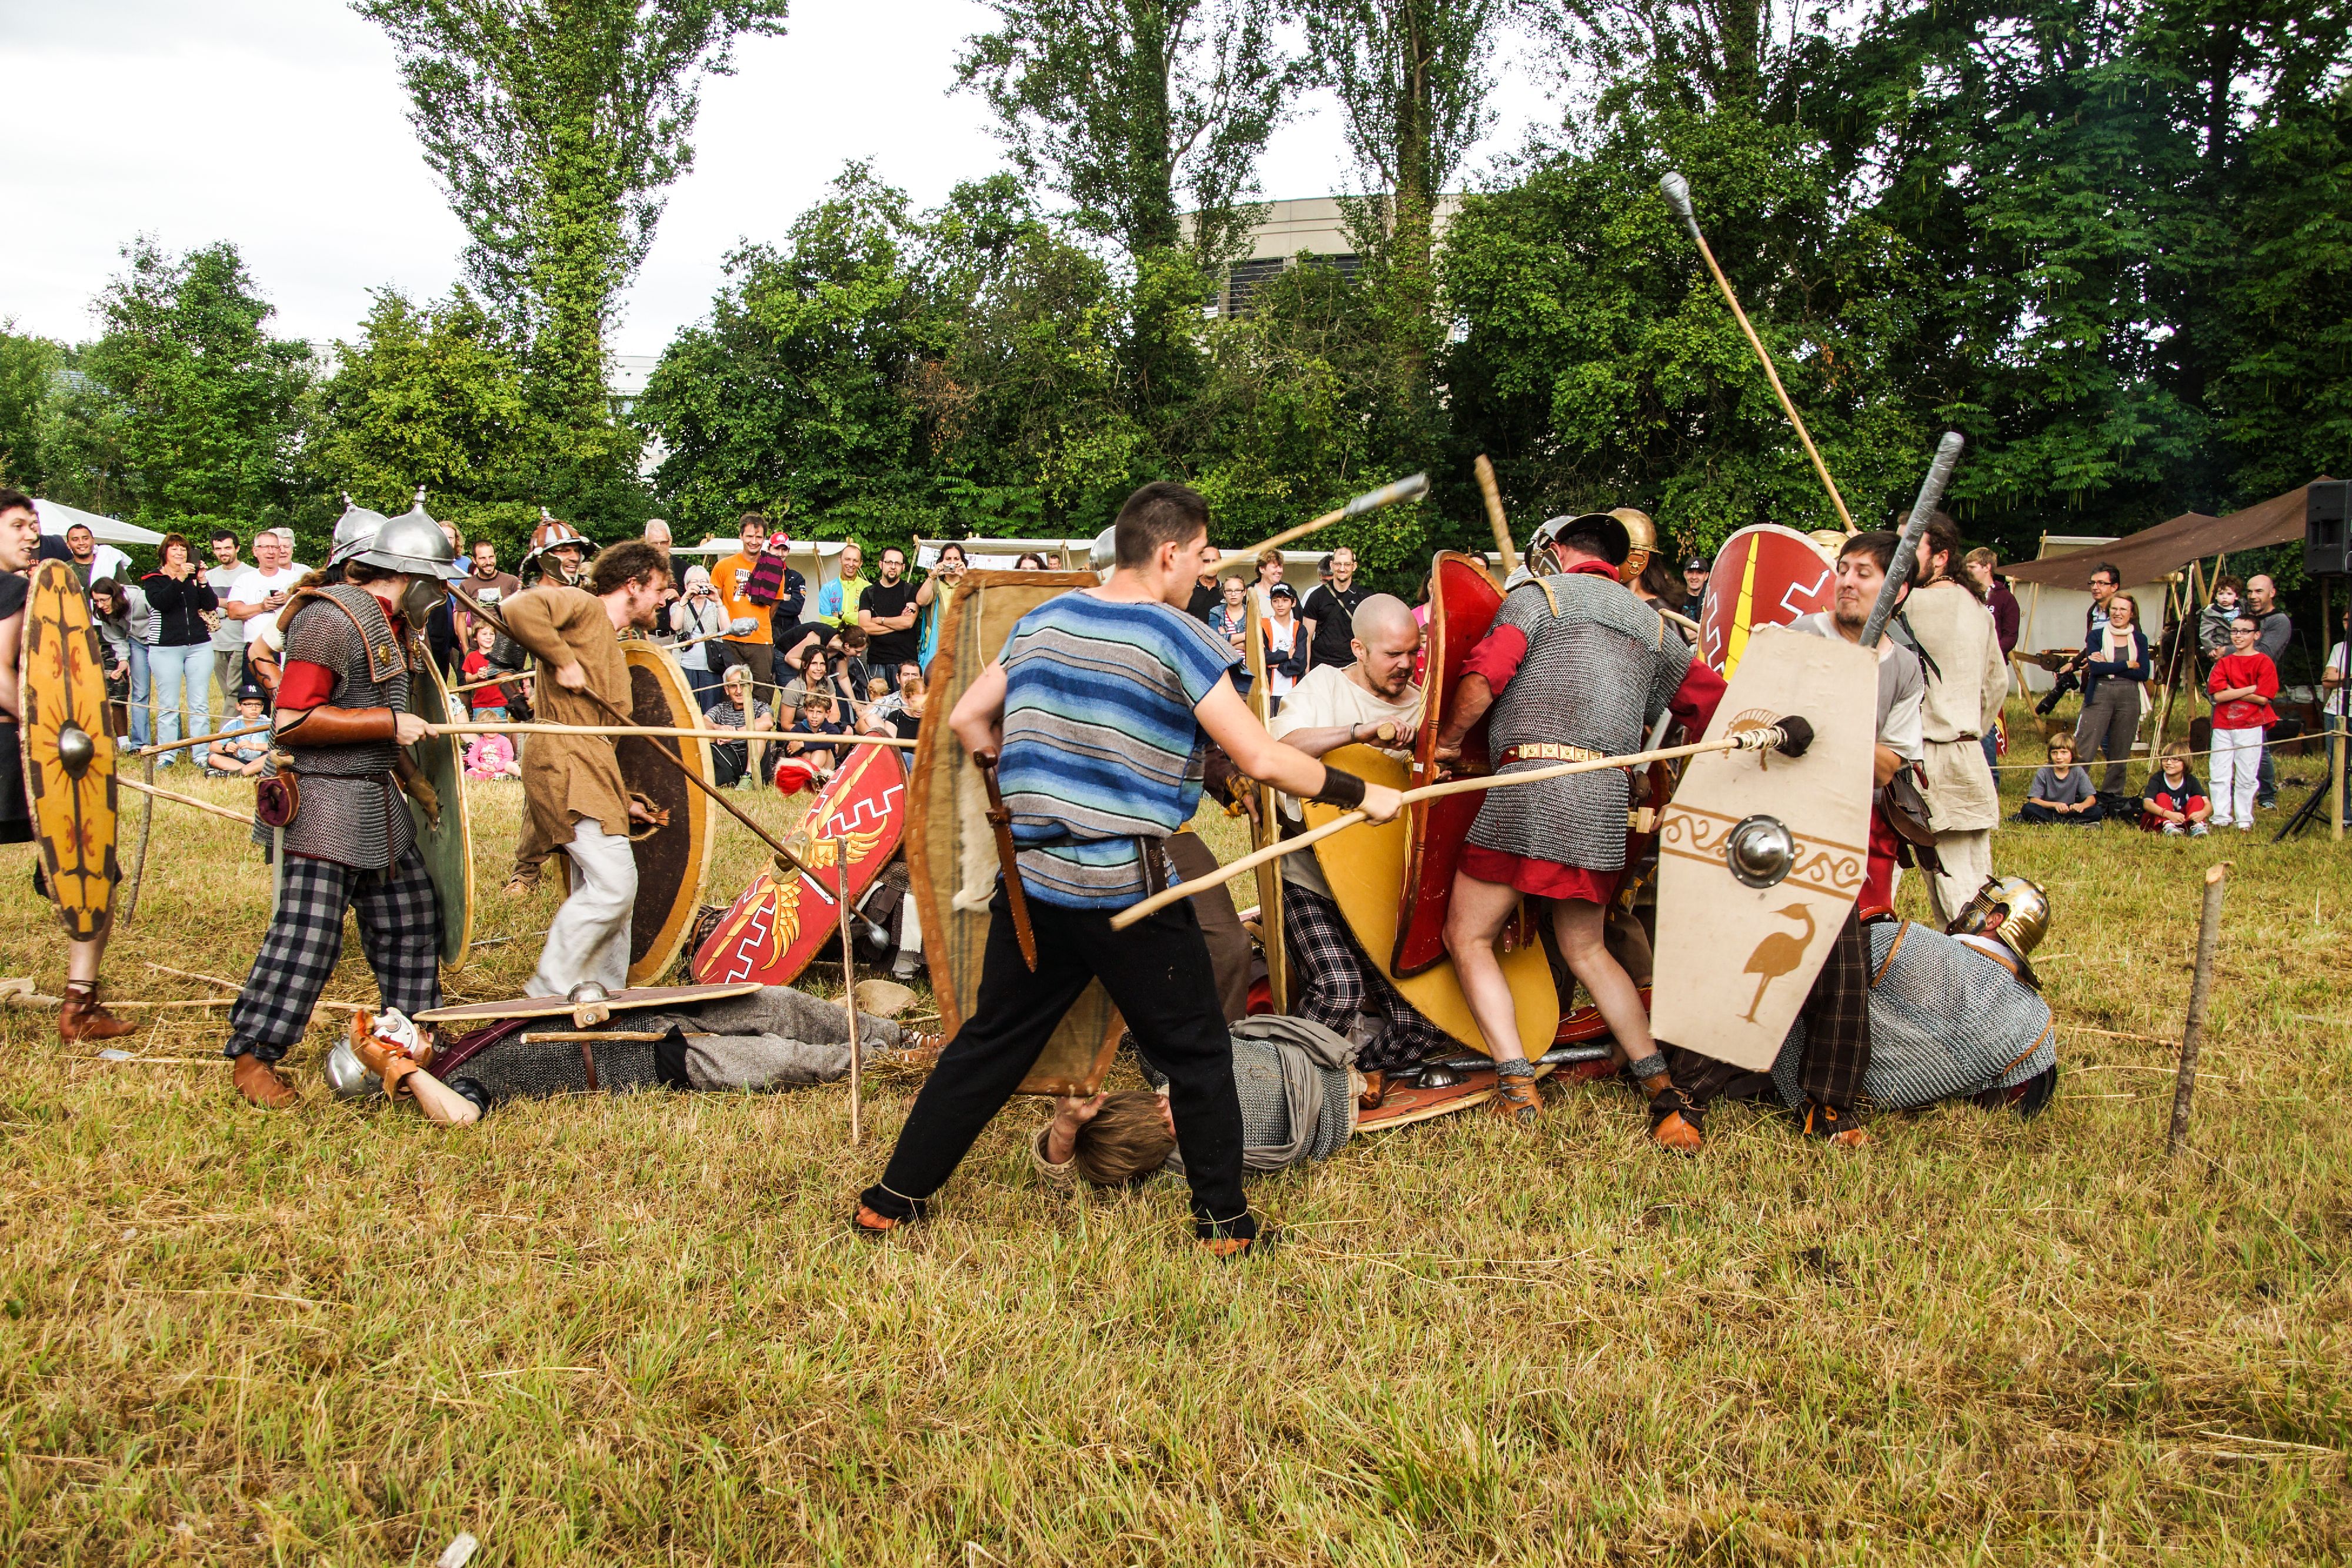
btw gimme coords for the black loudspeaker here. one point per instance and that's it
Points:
(2327, 528)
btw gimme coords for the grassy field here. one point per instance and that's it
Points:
(635, 1330)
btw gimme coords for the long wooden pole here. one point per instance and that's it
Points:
(1411, 488)
(1747, 741)
(148, 789)
(849, 995)
(2201, 986)
(1677, 194)
(1493, 495)
(470, 728)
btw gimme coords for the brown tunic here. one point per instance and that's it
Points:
(566, 778)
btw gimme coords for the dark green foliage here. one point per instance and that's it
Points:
(28, 366)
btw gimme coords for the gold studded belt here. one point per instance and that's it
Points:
(1543, 752)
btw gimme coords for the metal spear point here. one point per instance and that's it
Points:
(1906, 549)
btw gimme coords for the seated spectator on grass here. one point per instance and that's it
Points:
(807, 765)
(2174, 802)
(2061, 792)
(243, 749)
(736, 710)
(492, 757)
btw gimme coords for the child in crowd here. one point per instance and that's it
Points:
(2174, 802)
(807, 766)
(488, 702)
(492, 757)
(2242, 683)
(243, 749)
(2061, 792)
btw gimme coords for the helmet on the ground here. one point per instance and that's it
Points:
(554, 533)
(354, 531)
(2025, 909)
(412, 542)
(346, 1075)
(1641, 542)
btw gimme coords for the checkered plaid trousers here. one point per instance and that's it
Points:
(399, 931)
(1337, 981)
(1837, 1021)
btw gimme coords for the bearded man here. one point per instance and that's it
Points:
(1344, 704)
(571, 784)
(1574, 669)
(1958, 646)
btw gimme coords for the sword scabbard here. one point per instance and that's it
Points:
(1016, 897)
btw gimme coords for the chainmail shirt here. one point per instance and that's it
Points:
(1598, 669)
(352, 811)
(1947, 1020)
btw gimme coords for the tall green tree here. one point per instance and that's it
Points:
(1138, 112)
(28, 365)
(185, 410)
(557, 126)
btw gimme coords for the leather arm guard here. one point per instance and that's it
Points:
(324, 726)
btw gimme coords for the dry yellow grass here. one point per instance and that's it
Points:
(610, 1330)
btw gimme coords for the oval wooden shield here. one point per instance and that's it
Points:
(61, 682)
(1268, 825)
(673, 861)
(1363, 866)
(952, 853)
(1764, 575)
(447, 845)
(778, 923)
(1461, 608)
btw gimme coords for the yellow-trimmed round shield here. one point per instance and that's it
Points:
(69, 751)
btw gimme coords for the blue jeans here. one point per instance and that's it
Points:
(1991, 744)
(171, 673)
(139, 652)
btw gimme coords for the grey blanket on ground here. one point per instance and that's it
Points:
(1297, 1102)
(775, 1037)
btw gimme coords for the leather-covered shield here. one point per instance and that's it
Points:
(1764, 575)
(1776, 909)
(776, 926)
(672, 861)
(952, 852)
(1267, 827)
(69, 751)
(445, 841)
(1462, 607)
(1362, 866)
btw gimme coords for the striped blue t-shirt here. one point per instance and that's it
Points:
(1100, 744)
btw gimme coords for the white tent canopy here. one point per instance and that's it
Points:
(55, 518)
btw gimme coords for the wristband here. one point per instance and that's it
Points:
(1340, 789)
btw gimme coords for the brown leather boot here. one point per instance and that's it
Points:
(1515, 1094)
(1375, 1092)
(83, 1018)
(259, 1083)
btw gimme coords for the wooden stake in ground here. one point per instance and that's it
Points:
(849, 993)
(2209, 939)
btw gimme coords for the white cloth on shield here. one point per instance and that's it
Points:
(590, 938)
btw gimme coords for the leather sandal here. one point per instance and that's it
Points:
(1233, 1249)
(1675, 1121)
(1833, 1125)
(83, 1018)
(867, 1226)
(261, 1085)
(1516, 1096)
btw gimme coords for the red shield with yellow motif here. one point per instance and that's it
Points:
(1764, 575)
(1462, 607)
(783, 917)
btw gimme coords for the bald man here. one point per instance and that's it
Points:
(1336, 705)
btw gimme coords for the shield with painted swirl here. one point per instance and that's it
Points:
(69, 751)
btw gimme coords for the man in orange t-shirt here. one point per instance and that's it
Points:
(732, 578)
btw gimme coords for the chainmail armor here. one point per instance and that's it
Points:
(1597, 674)
(352, 811)
(1945, 1021)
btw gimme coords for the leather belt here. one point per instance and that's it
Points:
(1543, 751)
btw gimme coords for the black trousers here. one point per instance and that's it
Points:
(1158, 975)
(1837, 1035)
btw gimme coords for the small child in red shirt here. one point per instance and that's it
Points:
(2174, 802)
(2242, 683)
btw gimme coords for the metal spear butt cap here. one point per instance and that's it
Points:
(1677, 191)
(1411, 488)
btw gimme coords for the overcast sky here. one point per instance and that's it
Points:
(280, 125)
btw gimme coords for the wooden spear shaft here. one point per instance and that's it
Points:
(1409, 489)
(2201, 986)
(1493, 495)
(470, 728)
(149, 789)
(849, 995)
(1677, 194)
(1747, 741)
